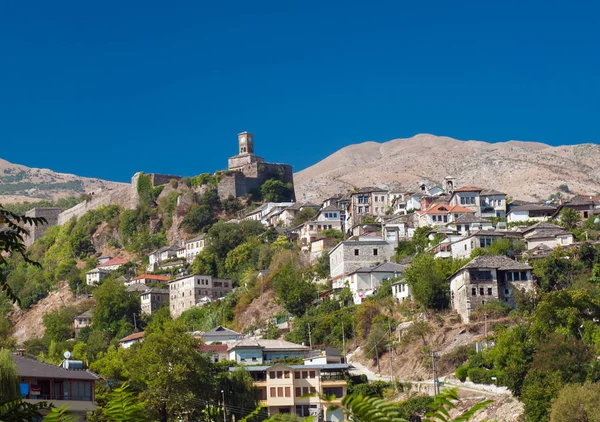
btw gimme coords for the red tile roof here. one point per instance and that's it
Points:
(445, 209)
(134, 336)
(153, 277)
(213, 348)
(114, 261)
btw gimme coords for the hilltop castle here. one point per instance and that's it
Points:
(246, 172)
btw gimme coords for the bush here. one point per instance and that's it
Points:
(462, 373)
(477, 375)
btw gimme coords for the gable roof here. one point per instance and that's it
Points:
(220, 331)
(470, 218)
(113, 261)
(499, 262)
(207, 348)
(489, 192)
(270, 344)
(35, 369)
(86, 315)
(468, 189)
(152, 277)
(533, 207)
(386, 267)
(197, 238)
(98, 270)
(131, 337)
(137, 287)
(437, 208)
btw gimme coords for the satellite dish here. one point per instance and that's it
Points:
(67, 354)
(597, 220)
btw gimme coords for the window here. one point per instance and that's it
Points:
(489, 291)
(376, 209)
(480, 275)
(312, 374)
(367, 210)
(279, 375)
(376, 198)
(481, 291)
(523, 275)
(304, 391)
(304, 374)
(360, 209)
(272, 392)
(473, 291)
(286, 374)
(313, 390)
(297, 375)
(279, 391)
(506, 292)
(298, 391)
(356, 252)
(462, 201)
(375, 251)
(287, 392)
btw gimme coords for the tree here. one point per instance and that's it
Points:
(237, 388)
(59, 324)
(171, 372)
(556, 271)
(304, 215)
(12, 242)
(274, 190)
(205, 263)
(577, 403)
(115, 307)
(569, 218)
(231, 205)
(539, 389)
(295, 292)
(124, 406)
(428, 283)
(9, 378)
(197, 218)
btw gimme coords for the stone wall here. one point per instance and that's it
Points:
(35, 232)
(235, 183)
(98, 199)
(156, 180)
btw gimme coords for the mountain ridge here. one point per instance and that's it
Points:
(425, 157)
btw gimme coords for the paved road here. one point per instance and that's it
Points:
(360, 369)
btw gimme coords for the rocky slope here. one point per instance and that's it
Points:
(20, 183)
(524, 170)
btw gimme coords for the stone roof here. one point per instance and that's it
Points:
(583, 200)
(261, 368)
(547, 233)
(98, 270)
(489, 192)
(329, 208)
(219, 331)
(470, 218)
(386, 267)
(197, 238)
(137, 287)
(499, 262)
(156, 291)
(86, 315)
(533, 207)
(35, 369)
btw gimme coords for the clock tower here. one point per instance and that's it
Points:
(246, 143)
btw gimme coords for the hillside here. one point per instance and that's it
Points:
(19, 183)
(524, 170)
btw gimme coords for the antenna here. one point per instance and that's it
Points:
(67, 355)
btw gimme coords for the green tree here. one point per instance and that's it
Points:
(569, 218)
(237, 388)
(171, 373)
(577, 403)
(9, 378)
(231, 205)
(198, 218)
(115, 307)
(205, 263)
(59, 324)
(274, 190)
(428, 283)
(556, 271)
(295, 292)
(124, 406)
(304, 215)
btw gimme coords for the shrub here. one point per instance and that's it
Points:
(477, 375)
(462, 373)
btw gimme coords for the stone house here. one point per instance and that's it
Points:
(320, 246)
(399, 227)
(530, 212)
(94, 277)
(194, 290)
(587, 206)
(546, 234)
(493, 203)
(352, 254)
(81, 321)
(462, 247)
(152, 300)
(326, 219)
(488, 278)
(193, 247)
(467, 197)
(367, 202)
(159, 256)
(286, 216)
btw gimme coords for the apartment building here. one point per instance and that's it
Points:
(194, 290)
(297, 389)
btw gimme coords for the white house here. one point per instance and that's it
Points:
(467, 223)
(95, 276)
(440, 214)
(530, 212)
(148, 278)
(548, 235)
(399, 227)
(113, 264)
(193, 247)
(263, 212)
(219, 334)
(259, 351)
(127, 342)
(364, 281)
(493, 203)
(159, 256)
(401, 290)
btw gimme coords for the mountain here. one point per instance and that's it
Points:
(20, 183)
(523, 170)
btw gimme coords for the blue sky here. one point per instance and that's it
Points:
(165, 87)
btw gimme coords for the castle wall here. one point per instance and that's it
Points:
(109, 197)
(155, 178)
(234, 184)
(35, 232)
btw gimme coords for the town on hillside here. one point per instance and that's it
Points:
(389, 293)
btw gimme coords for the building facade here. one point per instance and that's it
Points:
(153, 299)
(352, 254)
(194, 290)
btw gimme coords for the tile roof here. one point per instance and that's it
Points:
(134, 336)
(468, 189)
(35, 369)
(533, 207)
(489, 192)
(114, 261)
(152, 277)
(437, 208)
(470, 218)
(205, 348)
(499, 262)
(137, 287)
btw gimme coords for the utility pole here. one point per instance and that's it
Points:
(435, 380)
(224, 409)
(309, 337)
(343, 342)
(390, 352)
(485, 328)
(377, 357)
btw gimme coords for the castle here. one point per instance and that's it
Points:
(246, 172)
